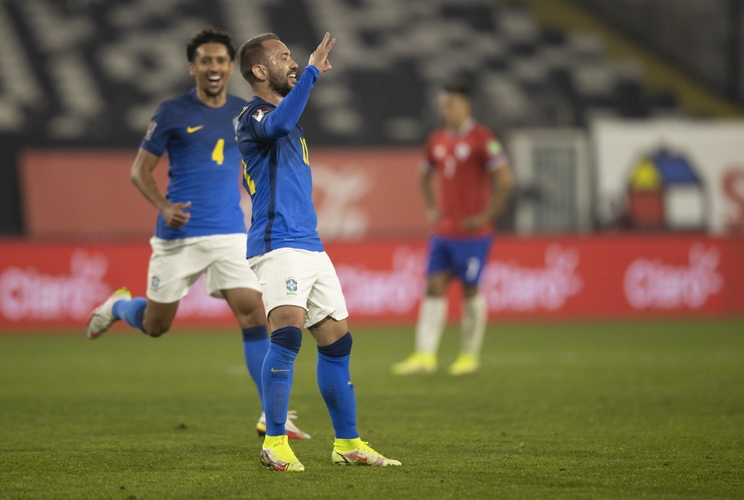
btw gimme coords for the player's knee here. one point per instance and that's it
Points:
(255, 315)
(283, 316)
(250, 318)
(436, 284)
(435, 289)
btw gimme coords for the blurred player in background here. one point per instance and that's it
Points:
(200, 229)
(300, 286)
(474, 184)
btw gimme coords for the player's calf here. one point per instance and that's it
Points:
(154, 324)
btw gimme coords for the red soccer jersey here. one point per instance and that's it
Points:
(464, 162)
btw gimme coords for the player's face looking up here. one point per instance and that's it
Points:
(212, 67)
(282, 69)
(454, 108)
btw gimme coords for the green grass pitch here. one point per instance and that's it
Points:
(589, 410)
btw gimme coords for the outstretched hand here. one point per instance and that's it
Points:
(319, 58)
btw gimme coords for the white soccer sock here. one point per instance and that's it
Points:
(430, 325)
(474, 318)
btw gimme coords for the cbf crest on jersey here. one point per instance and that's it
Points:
(291, 286)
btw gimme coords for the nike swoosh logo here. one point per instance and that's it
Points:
(274, 370)
(191, 130)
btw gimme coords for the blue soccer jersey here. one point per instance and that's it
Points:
(277, 173)
(204, 164)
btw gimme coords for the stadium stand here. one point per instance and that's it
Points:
(90, 73)
(704, 37)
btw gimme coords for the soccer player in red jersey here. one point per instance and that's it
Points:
(474, 184)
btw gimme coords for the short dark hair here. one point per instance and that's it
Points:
(251, 53)
(210, 34)
(460, 88)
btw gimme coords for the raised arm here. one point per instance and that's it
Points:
(281, 121)
(286, 115)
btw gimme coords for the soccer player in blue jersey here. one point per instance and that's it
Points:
(200, 228)
(300, 286)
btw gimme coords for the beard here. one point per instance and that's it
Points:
(280, 84)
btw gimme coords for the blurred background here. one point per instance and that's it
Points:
(623, 121)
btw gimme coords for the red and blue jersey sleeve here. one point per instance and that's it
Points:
(491, 150)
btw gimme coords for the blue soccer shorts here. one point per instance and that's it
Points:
(466, 257)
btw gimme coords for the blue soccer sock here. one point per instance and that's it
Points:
(334, 381)
(130, 311)
(255, 345)
(276, 377)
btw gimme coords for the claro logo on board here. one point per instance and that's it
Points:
(511, 287)
(507, 286)
(653, 284)
(395, 291)
(27, 294)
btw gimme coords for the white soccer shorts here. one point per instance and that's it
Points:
(292, 277)
(175, 265)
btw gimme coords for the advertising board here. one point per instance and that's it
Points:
(563, 278)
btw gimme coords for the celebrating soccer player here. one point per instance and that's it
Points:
(200, 229)
(300, 286)
(474, 185)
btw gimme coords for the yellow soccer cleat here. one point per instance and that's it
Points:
(102, 318)
(464, 365)
(418, 362)
(357, 452)
(277, 455)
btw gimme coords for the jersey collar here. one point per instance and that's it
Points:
(195, 98)
(464, 130)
